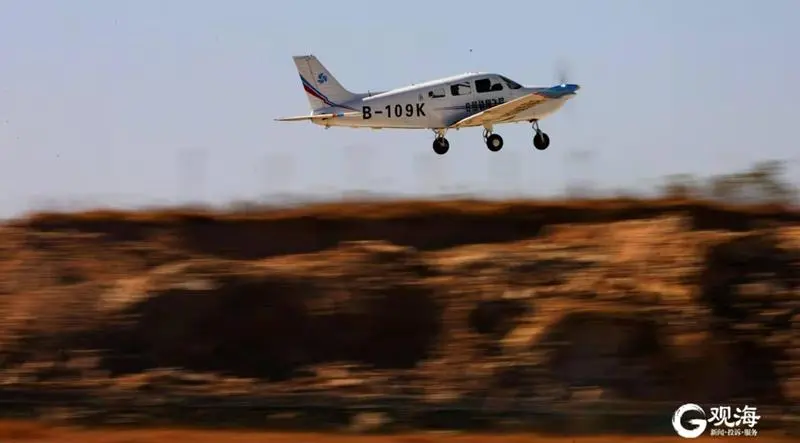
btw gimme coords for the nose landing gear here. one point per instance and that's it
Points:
(541, 140)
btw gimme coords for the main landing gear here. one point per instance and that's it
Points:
(440, 144)
(541, 140)
(493, 141)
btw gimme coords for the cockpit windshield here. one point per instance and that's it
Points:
(511, 83)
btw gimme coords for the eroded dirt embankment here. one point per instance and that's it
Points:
(629, 300)
(418, 224)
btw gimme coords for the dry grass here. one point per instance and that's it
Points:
(396, 209)
(28, 432)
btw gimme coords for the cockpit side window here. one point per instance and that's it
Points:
(488, 84)
(483, 85)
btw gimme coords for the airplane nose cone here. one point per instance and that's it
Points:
(570, 88)
(562, 90)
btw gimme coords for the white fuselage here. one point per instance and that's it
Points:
(438, 104)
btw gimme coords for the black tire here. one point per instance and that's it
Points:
(441, 145)
(494, 142)
(541, 141)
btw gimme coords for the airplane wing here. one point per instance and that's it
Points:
(500, 113)
(318, 116)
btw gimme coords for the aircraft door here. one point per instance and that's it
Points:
(489, 92)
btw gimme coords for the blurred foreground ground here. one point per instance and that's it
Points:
(502, 312)
(18, 432)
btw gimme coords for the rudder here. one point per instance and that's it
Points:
(322, 88)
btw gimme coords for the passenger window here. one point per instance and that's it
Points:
(460, 89)
(436, 93)
(487, 85)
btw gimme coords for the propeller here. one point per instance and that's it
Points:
(562, 78)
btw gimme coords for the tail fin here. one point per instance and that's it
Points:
(322, 88)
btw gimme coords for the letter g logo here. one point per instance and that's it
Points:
(699, 423)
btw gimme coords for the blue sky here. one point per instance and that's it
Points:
(121, 103)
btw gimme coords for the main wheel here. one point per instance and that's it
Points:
(494, 142)
(441, 145)
(541, 141)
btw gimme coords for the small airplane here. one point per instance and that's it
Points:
(462, 101)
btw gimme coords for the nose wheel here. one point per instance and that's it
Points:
(493, 141)
(541, 140)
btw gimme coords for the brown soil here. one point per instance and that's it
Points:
(18, 432)
(565, 302)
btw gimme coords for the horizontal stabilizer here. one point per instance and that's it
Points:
(319, 116)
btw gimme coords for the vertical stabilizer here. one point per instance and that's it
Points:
(322, 88)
